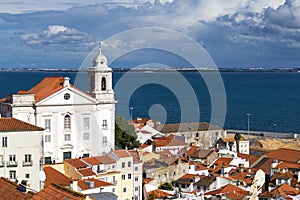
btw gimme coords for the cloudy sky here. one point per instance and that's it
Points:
(61, 33)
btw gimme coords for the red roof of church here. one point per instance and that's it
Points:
(8, 190)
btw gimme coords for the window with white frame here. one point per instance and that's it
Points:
(27, 158)
(12, 174)
(86, 123)
(67, 137)
(136, 189)
(4, 141)
(86, 136)
(104, 140)
(47, 138)
(67, 122)
(47, 124)
(12, 158)
(104, 124)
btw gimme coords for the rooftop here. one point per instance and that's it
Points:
(12, 124)
(186, 127)
(85, 184)
(285, 155)
(54, 176)
(76, 162)
(9, 190)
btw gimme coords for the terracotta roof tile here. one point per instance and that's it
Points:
(8, 190)
(105, 159)
(176, 142)
(284, 154)
(55, 192)
(76, 162)
(250, 158)
(12, 124)
(92, 161)
(86, 172)
(121, 153)
(197, 152)
(54, 176)
(283, 165)
(186, 127)
(223, 161)
(135, 156)
(159, 194)
(46, 87)
(85, 183)
(282, 191)
(227, 189)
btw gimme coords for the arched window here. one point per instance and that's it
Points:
(103, 84)
(67, 122)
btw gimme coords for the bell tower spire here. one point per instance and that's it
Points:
(100, 78)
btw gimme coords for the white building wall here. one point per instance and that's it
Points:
(19, 144)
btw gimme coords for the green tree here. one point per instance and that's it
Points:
(125, 136)
(166, 186)
(237, 138)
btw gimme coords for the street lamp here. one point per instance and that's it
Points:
(248, 115)
(131, 108)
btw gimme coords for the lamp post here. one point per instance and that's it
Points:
(131, 108)
(248, 115)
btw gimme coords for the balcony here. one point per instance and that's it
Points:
(27, 163)
(2, 163)
(12, 163)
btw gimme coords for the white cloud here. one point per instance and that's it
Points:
(60, 37)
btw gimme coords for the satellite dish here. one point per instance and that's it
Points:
(42, 176)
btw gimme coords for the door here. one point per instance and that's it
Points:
(67, 155)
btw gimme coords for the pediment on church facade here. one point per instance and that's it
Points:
(67, 96)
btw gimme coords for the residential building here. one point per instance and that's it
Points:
(137, 174)
(203, 156)
(77, 124)
(226, 145)
(200, 134)
(21, 151)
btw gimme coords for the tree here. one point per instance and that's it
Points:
(166, 186)
(125, 136)
(237, 138)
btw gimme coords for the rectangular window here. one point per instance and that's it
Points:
(47, 138)
(123, 177)
(124, 189)
(27, 157)
(104, 141)
(12, 175)
(129, 176)
(136, 169)
(67, 137)
(129, 164)
(86, 136)
(67, 122)
(48, 160)
(4, 141)
(113, 190)
(47, 124)
(12, 158)
(86, 123)
(27, 175)
(104, 124)
(136, 189)
(123, 164)
(136, 178)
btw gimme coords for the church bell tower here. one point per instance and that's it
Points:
(100, 79)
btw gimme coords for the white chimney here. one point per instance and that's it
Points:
(66, 82)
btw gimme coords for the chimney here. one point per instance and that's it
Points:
(22, 186)
(66, 82)
(75, 186)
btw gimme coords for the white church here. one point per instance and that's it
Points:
(77, 124)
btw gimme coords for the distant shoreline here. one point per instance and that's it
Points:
(153, 70)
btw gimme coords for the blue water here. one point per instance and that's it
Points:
(272, 99)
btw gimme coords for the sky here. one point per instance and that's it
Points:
(62, 33)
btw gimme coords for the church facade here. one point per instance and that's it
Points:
(77, 124)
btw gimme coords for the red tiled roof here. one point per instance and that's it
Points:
(159, 193)
(284, 154)
(223, 161)
(12, 124)
(76, 162)
(8, 190)
(54, 176)
(176, 142)
(251, 158)
(135, 156)
(45, 88)
(92, 161)
(86, 172)
(279, 175)
(160, 142)
(282, 191)
(122, 153)
(283, 165)
(264, 164)
(84, 184)
(197, 152)
(229, 189)
(55, 192)
(105, 159)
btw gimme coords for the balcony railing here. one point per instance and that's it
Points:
(2, 163)
(27, 163)
(12, 163)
